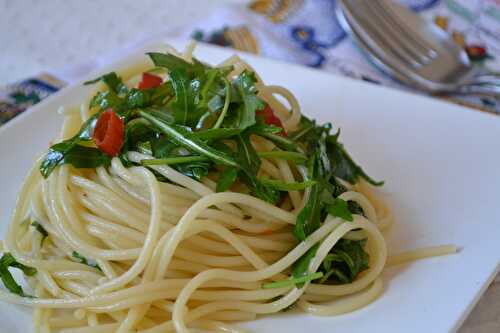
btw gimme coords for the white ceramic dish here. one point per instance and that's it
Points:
(441, 163)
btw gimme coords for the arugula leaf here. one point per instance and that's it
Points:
(86, 157)
(245, 85)
(265, 129)
(70, 153)
(186, 96)
(137, 98)
(41, 230)
(57, 153)
(345, 261)
(178, 157)
(217, 133)
(107, 99)
(297, 281)
(301, 267)
(171, 62)
(163, 147)
(283, 186)
(82, 260)
(333, 190)
(246, 156)
(339, 208)
(87, 129)
(226, 179)
(7, 261)
(344, 166)
(137, 131)
(309, 218)
(174, 160)
(298, 158)
(112, 80)
(306, 126)
(184, 138)
(249, 162)
(215, 102)
(280, 141)
(196, 169)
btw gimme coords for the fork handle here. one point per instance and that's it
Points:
(489, 78)
(482, 89)
(482, 76)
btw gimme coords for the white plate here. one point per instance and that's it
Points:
(441, 164)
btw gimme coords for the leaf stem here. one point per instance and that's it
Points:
(292, 281)
(174, 160)
(285, 155)
(193, 144)
(226, 104)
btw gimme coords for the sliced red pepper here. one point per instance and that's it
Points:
(150, 81)
(109, 133)
(270, 118)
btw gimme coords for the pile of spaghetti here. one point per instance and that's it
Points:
(190, 196)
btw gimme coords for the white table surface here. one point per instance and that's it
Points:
(37, 36)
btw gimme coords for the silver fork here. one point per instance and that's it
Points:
(411, 50)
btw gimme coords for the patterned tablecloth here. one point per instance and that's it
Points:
(307, 32)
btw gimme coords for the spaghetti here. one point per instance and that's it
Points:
(149, 243)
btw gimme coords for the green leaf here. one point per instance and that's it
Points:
(226, 179)
(344, 166)
(196, 170)
(7, 261)
(339, 208)
(221, 101)
(137, 98)
(249, 162)
(178, 157)
(41, 230)
(70, 153)
(85, 157)
(301, 267)
(81, 259)
(245, 85)
(87, 129)
(290, 282)
(57, 152)
(345, 261)
(136, 132)
(283, 186)
(112, 80)
(298, 158)
(107, 99)
(186, 96)
(265, 129)
(174, 160)
(171, 62)
(306, 126)
(309, 218)
(280, 141)
(183, 137)
(217, 133)
(246, 156)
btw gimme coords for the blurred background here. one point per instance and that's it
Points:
(49, 44)
(39, 35)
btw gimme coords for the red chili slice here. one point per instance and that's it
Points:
(109, 132)
(150, 81)
(270, 118)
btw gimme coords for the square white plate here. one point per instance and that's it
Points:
(441, 164)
